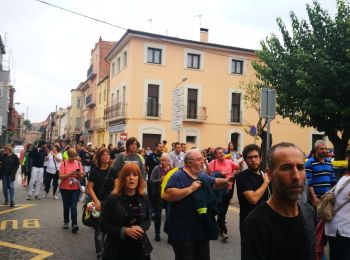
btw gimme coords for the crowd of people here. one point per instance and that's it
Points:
(130, 186)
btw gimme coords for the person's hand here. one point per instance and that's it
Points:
(162, 178)
(97, 205)
(266, 178)
(314, 202)
(135, 232)
(195, 185)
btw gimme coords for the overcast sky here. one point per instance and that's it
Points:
(50, 48)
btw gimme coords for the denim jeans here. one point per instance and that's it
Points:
(70, 200)
(226, 198)
(8, 186)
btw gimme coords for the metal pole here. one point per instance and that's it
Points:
(178, 135)
(267, 138)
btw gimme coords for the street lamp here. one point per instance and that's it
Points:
(178, 108)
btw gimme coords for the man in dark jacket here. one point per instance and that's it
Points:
(282, 227)
(9, 164)
(37, 156)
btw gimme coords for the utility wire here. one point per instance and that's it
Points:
(123, 28)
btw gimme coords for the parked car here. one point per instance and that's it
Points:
(18, 149)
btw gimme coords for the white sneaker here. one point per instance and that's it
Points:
(46, 195)
(224, 237)
(55, 197)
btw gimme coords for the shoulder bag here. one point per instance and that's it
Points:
(90, 216)
(325, 208)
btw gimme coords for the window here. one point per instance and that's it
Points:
(125, 59)
(154, 55)
(112, 99)
(99, 97)
(235, 140)
(78, 123)
(236, 108)
(1, 91)
(118, 96)
(113, 68)
(78, 103)
(192, 97)
(118, 64)
(104, 94)
(191, 139)
(193, 61)
(153, 100)
(237, 66)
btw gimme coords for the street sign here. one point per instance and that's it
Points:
(268, 103)
(252, 130)
(123, 136)
(178, 108)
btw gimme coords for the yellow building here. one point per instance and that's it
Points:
(146, 68)
(75, 115)
(99, 125)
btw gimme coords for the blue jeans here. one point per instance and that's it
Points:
(70, 200)
(8, 186)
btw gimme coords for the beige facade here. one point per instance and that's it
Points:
(99, 68)
(145, 69)
(99, 125)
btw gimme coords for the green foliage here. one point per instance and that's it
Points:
(28, 124)
(310, 69)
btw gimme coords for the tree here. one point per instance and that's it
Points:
(310, 69)
(28, 124)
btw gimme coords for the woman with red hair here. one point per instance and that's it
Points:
(126, 217)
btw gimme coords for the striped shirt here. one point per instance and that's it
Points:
(320, 175)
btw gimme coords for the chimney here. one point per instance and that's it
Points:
(204, 34)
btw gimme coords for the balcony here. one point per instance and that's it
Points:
(116, 111)
(99, 124)
(89, 101)
(195, 114)
(87, 124)
(152, 109)
(236, 116)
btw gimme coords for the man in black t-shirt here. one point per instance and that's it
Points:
(252, 184)
(282, 227)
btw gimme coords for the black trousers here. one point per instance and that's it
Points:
(48, 177)
(226, 198)
(191, 250)
(339, 247)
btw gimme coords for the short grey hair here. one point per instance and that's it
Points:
(319, 143)
(271, 156)
(188, 155)
(165, 156)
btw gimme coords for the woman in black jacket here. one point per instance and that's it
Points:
(126, 217)
(9, 164)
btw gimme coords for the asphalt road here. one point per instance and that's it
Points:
(33, 230)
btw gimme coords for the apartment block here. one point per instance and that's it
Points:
(169, 88)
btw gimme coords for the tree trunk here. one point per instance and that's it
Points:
(340, 144)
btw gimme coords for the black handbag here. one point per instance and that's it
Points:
(87, 218)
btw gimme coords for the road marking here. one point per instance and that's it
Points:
(41, 253)
(21, 206)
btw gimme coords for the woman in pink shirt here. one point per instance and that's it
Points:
(226, 168)
(70, 173)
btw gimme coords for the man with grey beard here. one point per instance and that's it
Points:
(282, 227)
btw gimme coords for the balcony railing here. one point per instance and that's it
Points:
(116, 111)
(87, 124)
(89, 101)
(194, 113)
(152, 109)
(99, 123)
(236, 116)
